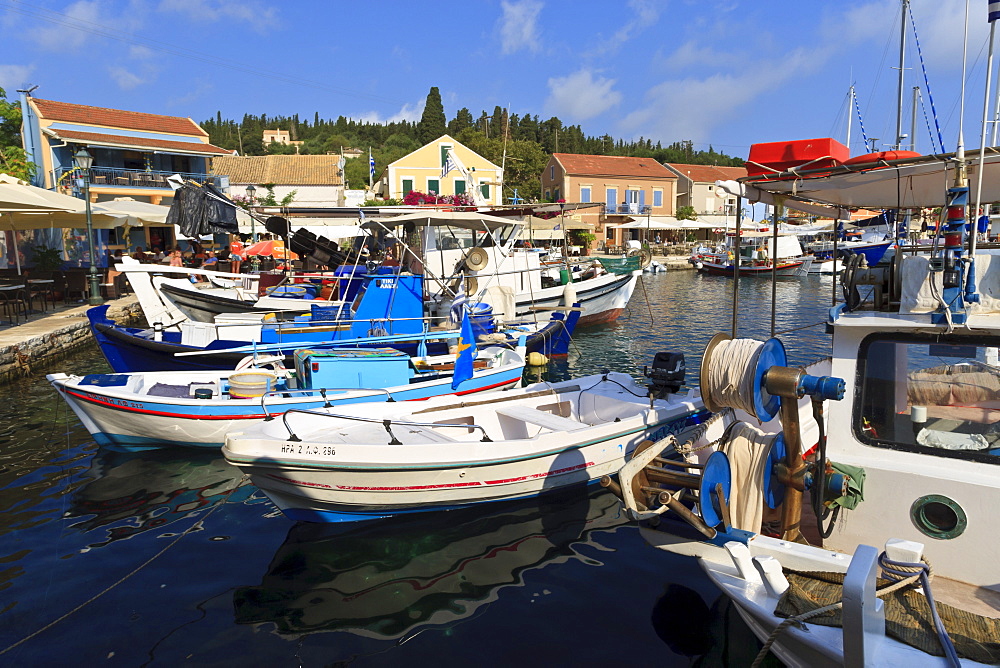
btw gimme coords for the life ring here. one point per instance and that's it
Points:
(477, 259)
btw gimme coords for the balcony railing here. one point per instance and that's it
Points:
(628, 209)
(129, 178)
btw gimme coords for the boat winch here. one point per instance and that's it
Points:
(750, 468)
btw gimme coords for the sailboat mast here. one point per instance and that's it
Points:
(850, 115)
(902, 56)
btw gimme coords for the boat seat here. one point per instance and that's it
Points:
(540, 418)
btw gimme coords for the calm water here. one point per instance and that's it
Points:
(216, 576)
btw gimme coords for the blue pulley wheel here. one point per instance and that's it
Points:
(716, 471)
(766, 405)
(774, 490)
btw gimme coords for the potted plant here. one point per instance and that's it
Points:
(584, 239)
(46, 258)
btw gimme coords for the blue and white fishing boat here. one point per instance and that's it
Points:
(184, 408)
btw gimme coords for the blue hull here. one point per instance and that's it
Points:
(130, 349)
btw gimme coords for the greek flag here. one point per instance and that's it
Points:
(458, 305)
(450, 163)
(466, 353)
(994, 10)
(371, 164)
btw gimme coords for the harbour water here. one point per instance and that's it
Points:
(175, 559)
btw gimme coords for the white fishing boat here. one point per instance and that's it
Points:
(198, 408)
(910, 462)
(387, 459)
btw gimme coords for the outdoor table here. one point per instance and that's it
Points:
(10, 298)
(45, 286)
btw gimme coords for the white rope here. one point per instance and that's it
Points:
(730, 373)
(747, 449)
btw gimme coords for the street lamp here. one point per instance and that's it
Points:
(251, 191)
(83, 162)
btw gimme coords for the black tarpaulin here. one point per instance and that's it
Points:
(202, 209)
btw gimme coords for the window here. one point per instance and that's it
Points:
(929, 394)
(557, 197)
(611, 199)
(548, 194)
(444, 152)
(585, 194)
(459, 187)
(552, 172)
(434, 186)
(657, 198)
(407, 186)
(485, 189)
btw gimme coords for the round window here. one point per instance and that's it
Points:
(938, 517)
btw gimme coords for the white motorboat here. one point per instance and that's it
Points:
(381, 460)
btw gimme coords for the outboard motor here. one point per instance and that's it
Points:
(666, 376)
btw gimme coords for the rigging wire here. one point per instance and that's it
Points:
(927, 83)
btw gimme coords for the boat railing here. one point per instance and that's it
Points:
(387, 423)
(322, 393)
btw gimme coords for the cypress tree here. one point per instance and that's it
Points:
(432, 123)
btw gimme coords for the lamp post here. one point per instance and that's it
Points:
(251, 191)
(84, 161)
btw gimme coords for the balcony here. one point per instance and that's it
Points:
(119, 177)
(627, 209)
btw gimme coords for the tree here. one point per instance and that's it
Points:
(13, 159)
(685, 213)
(432, 122)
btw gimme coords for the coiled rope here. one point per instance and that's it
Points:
(730, 376)
(904, 574)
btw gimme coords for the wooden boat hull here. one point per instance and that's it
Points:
(784, 269)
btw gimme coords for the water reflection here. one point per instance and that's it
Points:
(131, 493)
(384, 579)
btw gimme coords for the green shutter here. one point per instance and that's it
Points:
(485, 189)
(444, 154)
(407, 186)
(459, 187)
(433, 185)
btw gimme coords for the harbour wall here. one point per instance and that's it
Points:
(33, 346)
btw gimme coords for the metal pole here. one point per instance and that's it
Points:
(913, 119)
(95, 286)
(736, 266)
(774, 271)
(902, 54)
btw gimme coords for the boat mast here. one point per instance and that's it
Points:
(850, 114)
(902, 55)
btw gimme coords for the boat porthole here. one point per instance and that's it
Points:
(938, 517)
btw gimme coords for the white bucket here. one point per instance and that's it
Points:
(251, 384)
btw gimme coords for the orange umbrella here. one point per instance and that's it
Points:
(272, 247)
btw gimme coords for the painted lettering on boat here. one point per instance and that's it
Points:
(112, 401)
(307, 449)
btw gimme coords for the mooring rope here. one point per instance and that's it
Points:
(918, 573)
(730, 374)
(197, 524)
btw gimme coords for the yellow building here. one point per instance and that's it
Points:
(423, 170)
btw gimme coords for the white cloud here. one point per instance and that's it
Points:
(579, 96)
(55, 37)
(257, 15)
(519, 26)
(125, 79)
(691, 55)
(13, 77)
(408, 112)
(137, 52)
(646, 13)
(692, 108)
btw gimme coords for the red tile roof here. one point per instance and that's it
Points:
(141, 142)
(284, 170)
(709, 173)
(131, 120)
(607, 165)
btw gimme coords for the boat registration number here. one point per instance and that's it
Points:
(306, 449)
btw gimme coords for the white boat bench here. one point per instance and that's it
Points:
(540, 418)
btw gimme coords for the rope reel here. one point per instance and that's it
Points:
(732, 375)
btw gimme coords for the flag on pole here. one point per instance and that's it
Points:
(371, 168)
(450, 163)
(466, 353)
(994, 10)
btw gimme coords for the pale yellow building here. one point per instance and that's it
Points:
(422, 169)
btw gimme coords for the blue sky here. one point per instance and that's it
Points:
(727, 73)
